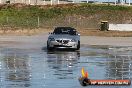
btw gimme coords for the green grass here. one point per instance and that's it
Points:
(27, 16)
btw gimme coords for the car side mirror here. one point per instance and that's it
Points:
(78, 34)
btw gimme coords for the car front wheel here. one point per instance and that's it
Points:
(48, 47)
(78, 46)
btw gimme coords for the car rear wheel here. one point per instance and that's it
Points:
(78, 46)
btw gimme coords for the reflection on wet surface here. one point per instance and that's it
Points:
(64, 63)
(21, 68)
(15, 69)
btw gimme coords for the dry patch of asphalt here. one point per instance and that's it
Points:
(23, 42)
(39, 41)
(112, 41)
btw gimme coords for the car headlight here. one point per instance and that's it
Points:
(73, 40)
(51, 39)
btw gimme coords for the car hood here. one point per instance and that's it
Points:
(64, 36)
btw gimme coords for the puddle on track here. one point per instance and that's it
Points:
(21, 68)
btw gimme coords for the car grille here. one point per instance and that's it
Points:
(61, 46)
(63, 41)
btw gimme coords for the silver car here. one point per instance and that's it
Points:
(64, 38)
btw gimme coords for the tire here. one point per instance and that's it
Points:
(49, 48)
(78, 46)
(86, 82)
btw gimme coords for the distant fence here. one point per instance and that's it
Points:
(38, 22)
(120, 27)
(72, 21)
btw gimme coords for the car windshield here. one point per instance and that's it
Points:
(65, 30)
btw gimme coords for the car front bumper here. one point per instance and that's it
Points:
(54, 44)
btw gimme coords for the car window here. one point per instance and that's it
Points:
(70, 31)
(73, 32)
